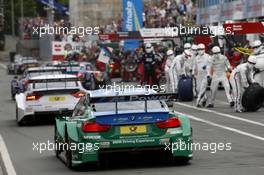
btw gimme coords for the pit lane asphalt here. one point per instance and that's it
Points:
(245, 157)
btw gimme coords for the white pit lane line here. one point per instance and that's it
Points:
(5, 160)
(221, 114)
(223, 127)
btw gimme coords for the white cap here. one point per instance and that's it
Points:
(194, 47)
(256, 43)
(187, 46)
(252, 59)
(216, 49)
(201, 46)
(169, 52)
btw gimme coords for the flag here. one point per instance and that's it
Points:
(105, 54)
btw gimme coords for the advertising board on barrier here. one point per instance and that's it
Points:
(234, 10)
(132, 12)
(58, 48)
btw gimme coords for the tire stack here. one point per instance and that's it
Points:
(253, 98)
(185, 89)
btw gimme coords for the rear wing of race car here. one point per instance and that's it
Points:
(54, 69)
(125, 98)
(50, 80)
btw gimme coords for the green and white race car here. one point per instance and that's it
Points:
(105, 122)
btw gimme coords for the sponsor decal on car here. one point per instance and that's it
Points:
(133, 141)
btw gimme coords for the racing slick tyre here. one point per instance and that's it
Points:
(185, 89)
(181, 160)
(13, 96)
(169, 159)
(57, 150)
(18, 122)
(253, 97)
(22, 122)
(69, 159)
(68, 152)
(131, 67)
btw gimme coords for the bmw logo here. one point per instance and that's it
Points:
(132, 118)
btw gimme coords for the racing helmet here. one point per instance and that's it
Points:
(257, 46)
(148, 48)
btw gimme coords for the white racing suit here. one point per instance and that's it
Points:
(189, 71)
(177, 69)
(188, 65)
(240, 78)
(201, 69)
(259, 76)
(168, 74)
(219, 66)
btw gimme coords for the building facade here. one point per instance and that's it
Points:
(214, 11)
(94, 12)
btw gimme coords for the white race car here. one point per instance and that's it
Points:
(48, 94)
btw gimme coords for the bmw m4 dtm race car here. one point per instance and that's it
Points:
(105, 122)
(47, 94)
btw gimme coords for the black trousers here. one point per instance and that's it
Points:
(150, 72)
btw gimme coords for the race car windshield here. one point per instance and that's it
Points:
(137, 106)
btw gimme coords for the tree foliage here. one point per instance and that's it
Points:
(29, 7)
(32, 8)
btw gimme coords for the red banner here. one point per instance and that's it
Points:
(244, 28)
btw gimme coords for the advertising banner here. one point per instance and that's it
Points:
(245, 28)
(233, 10)
(132, 12)
(58, 48)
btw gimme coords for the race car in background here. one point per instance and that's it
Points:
(21, 64)
(124, 122)
(71, 67)
(47, 94)
(19, 84)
